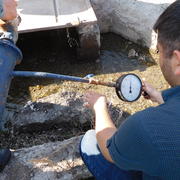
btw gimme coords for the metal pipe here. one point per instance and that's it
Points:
(10, 55)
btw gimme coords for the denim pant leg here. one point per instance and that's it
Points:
(96, 163)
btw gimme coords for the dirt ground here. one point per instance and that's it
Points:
(49, 52)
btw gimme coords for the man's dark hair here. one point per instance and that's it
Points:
(168, 28)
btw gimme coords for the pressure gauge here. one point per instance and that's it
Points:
(129, 87)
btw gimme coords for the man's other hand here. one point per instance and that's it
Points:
(94, 100)
(149, 92)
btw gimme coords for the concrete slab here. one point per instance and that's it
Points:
(36, 15)
(47, 14)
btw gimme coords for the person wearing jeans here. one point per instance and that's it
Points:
(147, 144)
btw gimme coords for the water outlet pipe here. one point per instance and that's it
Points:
(10, 55)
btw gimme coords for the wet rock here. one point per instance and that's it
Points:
(142, 58)
(57, 110)
(89, 38)
(65, 107)
(132, 53)
(56, 161)
(145, 59)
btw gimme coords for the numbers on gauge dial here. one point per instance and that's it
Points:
(131, 87)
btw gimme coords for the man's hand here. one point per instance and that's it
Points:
(94, 100)
(9, 9)
(149, 92)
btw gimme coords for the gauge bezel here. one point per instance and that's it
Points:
(118, 87)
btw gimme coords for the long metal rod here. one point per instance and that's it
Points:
(60, 76)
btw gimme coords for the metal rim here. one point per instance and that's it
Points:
(118, 90)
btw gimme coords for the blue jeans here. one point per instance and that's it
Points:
(100, 168)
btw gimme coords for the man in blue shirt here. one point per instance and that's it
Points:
(7, 12)
(147, 145)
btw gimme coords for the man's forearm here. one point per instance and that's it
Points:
(104, 126)
(105, 129)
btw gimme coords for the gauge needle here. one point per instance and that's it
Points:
(130, 90)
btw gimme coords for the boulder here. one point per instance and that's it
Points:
(56, 161)
(130, 18)
(62, 108)
(66, 107)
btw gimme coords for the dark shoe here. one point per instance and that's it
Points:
(5, 155)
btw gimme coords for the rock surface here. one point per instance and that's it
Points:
(130, 18)
(56, 109)
(89, 38)
(55, 161)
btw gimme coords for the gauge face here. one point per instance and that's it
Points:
(129, 87)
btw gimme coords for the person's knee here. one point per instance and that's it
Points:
(89, 143)
(90, 134)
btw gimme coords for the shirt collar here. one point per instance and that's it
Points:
(171, 93)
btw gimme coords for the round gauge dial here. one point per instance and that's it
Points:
(129, 87)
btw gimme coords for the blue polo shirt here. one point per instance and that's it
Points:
(149, 141)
